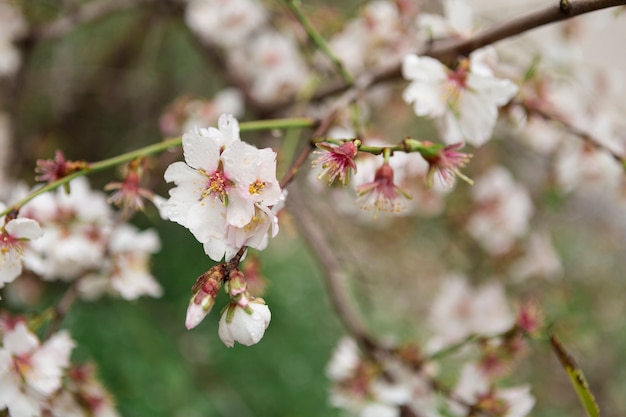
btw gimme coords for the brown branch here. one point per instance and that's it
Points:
(61, 309)
(334, 275)
(585, 136)
(447, 50)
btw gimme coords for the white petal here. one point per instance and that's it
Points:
(22, 228)
(229, 126)
(201, 152)
(20, 340)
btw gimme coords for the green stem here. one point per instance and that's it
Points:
(156, 148)
(377, 150)
(319, 41)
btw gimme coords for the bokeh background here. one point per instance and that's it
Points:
(100, 90)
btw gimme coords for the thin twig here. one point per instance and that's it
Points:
(61, 309)
(319, 41)
(585, 136)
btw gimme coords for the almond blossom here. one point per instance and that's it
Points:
(503, 211)
(359, 385)
(29, 372)
(459, 310)
(474, 388)
(223, 189)
(13, 235)
(464, 101)
(224, 22)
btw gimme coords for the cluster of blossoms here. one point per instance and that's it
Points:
(227, 195)
(267, 61)
(386, 382)
(390, 387)
(226, 190)
(82, 242)
(36, 378)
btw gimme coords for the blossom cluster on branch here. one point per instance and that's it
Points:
(401, 121)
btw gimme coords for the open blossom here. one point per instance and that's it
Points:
(245, 325)
(458, 21)
(126, 272)
(337, 161)
(359, 385)
(464, 101)
(13, 234)
(224, 188)
(224, 22)
(459, 310)
(29, 372)
(272, 65)
(474, 388)
(503, 211)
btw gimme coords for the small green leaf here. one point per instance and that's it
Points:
(577, 378)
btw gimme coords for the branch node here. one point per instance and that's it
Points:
(565, 7)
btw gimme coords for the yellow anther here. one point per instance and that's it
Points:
(256, 187)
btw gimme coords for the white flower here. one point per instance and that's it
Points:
(473, 384)
(245, 327)
(272, 64)
(13, 234)
(464, 101)
(30, 373)
(540, 260)
(224, 22)
(459, 311)
(458, 21)
(126, 272)
(224, 190)
(503, 214)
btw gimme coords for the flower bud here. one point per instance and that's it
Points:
(205, 291)
(245, 325)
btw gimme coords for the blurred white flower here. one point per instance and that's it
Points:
(226, 23)
(359, 387)
(272, 64)
(245, 327)
(503, 211)
(474, 388)
(459, 310)
(458, 21)
(126, 272)
(540, 260)
(29, 372)
(464, 101)
(12, 26)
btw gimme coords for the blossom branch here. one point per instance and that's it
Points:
(319, 41)
(448, 49)
(155, 149)
(585, 136)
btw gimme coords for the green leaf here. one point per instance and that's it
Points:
(577, 378)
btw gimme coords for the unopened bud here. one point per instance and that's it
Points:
(205, 291)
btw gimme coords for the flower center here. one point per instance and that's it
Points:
(256, 187)
(216, 185)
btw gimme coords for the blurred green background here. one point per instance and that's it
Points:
(100, 90)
